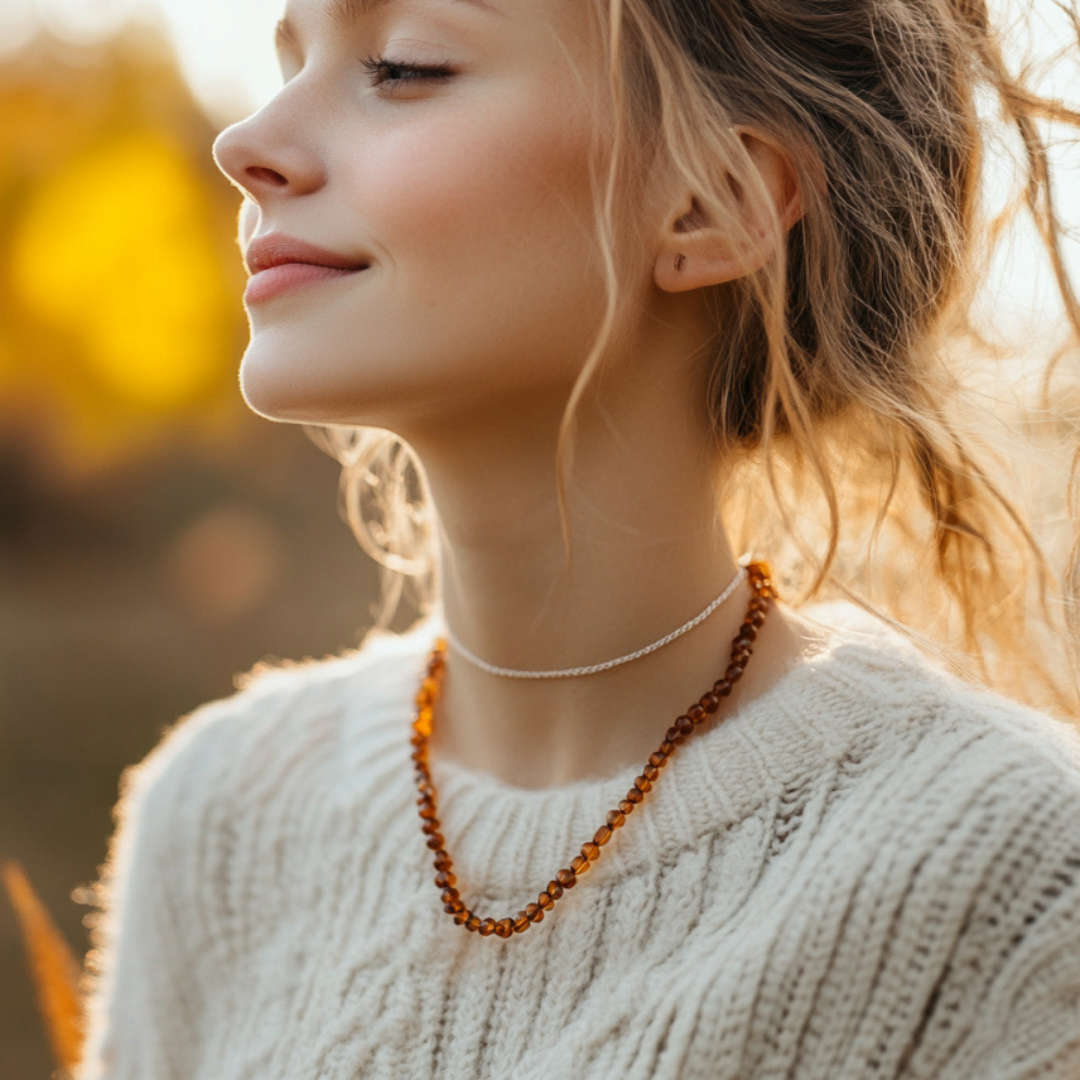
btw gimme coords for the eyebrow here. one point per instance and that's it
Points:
(346, 12)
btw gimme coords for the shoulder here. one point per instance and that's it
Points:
(318, 723)
(885, 697)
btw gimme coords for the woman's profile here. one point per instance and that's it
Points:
(592, 297)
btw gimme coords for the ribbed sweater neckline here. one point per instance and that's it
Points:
(508, 841)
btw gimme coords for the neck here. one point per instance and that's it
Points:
(647, 552)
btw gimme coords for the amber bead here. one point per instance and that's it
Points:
(454, 906)
(487, 928)
(566, 878)
(747, 633)
(650, 772)
(504, 928)
(416, 739)
(634, 795)
(710, 703)
(427, 808)
(580, 865)
(445, 879)
(674, 735)
(616, 819)
(436, 841)
(602, 835)
(667, 748)
(473, 922)
(642, 783)
(534, 913)
(521, 922)
(722, 687)
(658, 758)
(442, 861)
(554, 889)
(591, 851)
(759, 618)
(684, 726)
(696, 713)
(626, 807)
(545, 901)
(430, 828)
(418, 754)
(449, 895)
(461, 917)
(734, 671)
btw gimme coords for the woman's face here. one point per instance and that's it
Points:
(436, 153)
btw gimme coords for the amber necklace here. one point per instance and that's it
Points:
(761, 582)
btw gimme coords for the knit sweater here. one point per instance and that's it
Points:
(871, 870)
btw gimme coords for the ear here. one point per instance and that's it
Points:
(696, 251)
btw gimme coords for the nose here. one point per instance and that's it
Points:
(271, 153)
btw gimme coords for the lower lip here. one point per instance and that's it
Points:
(286, 277)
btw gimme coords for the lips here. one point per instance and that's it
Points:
(279, 264)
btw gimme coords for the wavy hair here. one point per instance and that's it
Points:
(858, 458)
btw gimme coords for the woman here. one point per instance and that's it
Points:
(640, 283)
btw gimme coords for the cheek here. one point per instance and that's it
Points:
(500, 193)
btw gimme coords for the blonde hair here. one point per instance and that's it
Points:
(833, 385)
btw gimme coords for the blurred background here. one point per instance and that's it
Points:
(155, 538)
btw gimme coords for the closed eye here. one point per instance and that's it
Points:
(390, 72)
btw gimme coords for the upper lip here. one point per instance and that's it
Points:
(273, 249)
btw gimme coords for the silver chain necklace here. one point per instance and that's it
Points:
(593, 669)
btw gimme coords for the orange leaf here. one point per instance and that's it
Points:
(54, 968)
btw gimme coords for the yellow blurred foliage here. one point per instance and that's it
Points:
(120, 281)
(116, 248)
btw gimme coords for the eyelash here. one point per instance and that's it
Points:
(401, 71)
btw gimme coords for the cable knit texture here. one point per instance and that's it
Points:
(872, 870)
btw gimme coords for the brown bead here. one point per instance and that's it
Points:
(643, 783)
(580, 865)
(667, 748)
(696, 713)
(442, 860)
(747, 633)
(616, 819)
(602, 835)
(419, 754)
(658, 758)
(445, 879)
(626, 807)
(504, 928)
(545, 901)
(734, 671)
(759, 618)
(650, 772)
(722, 687)
(710, 703)
(487, 928)
(684, 726)
(674, 735)
(534, 913)
(416, 739)
(566, 878)
(449, 895)
(435, 841)
(430, 828)
(427, 809)
(554, 889)
(521, 922)
(454, 906)
(461, 917)
(473, 922)
(591, 851)
(634, 795)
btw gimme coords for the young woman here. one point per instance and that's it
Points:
(642, 284)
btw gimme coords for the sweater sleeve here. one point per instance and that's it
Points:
(1008, 1004)
(154, 942)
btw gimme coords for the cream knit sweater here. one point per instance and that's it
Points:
(870, 871)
